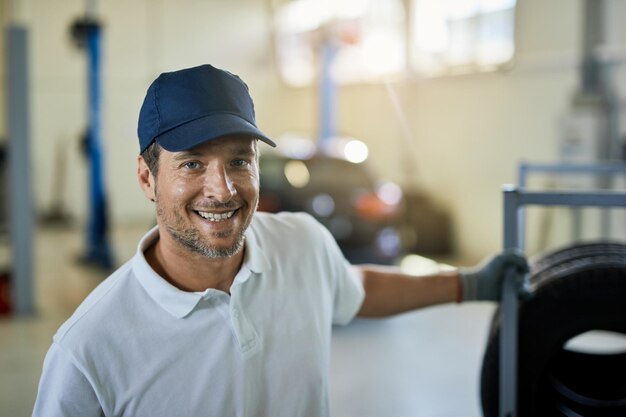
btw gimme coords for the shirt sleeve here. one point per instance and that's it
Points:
(64, 391)
(349, 295)
(348, 288)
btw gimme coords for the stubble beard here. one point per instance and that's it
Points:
(190, 238)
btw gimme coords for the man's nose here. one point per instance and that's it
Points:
(218, 185)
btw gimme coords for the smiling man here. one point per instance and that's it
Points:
(223, 311)
(203, 219)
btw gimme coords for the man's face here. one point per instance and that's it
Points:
(206, 197)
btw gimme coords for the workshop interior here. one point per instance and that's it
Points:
(420, 133)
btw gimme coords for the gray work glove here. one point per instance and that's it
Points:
(484, 282)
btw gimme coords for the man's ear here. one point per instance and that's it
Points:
(146, 179)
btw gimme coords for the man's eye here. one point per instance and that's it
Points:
(239, 162)
(191, 165)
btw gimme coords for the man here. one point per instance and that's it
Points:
(223, 311)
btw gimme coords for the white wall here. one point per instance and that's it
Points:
(469, 132)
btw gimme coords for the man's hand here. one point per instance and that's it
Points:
(484, 282)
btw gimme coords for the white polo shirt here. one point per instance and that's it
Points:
(139, 347)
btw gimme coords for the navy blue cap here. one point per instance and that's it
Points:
(185, 108)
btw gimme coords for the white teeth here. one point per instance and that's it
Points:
(216, 217)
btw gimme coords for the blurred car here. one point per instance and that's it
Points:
(363, 218)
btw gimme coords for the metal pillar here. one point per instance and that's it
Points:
(98, 246)
(328, 96)
(21, 212)
(88, 34)
(508, 329)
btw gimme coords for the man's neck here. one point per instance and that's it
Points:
(189, 271)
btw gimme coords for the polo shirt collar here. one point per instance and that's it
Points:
(177, 302)
(180, 303)
(255, 257)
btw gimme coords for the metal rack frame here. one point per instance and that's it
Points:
(515, 199)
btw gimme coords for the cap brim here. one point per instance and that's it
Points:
(204, 129)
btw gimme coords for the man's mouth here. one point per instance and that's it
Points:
(216, 217)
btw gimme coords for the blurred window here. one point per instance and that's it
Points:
(455, 36)
(370, 40)
(365, 39)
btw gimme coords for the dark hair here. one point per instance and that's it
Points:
(151, 156)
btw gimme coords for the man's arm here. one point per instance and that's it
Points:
(388, 291)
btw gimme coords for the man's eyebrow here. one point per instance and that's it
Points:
(179, 156)
(242, 151)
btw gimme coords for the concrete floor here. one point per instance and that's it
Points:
(421, 364)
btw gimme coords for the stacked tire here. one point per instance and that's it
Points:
(573, 291)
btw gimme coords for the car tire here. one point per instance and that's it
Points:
(572, 291)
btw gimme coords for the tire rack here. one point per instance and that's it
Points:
(515, 199)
